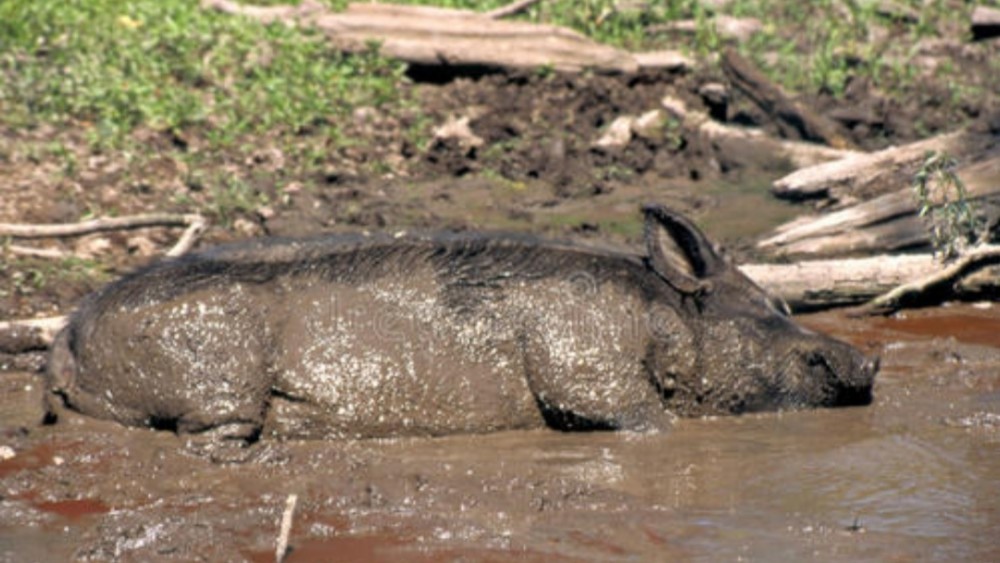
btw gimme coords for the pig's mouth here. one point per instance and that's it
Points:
(814, 379)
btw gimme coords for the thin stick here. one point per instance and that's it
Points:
(286, 528)
(975, 259)
(196, 226)
(510, 9)
(97, 225)
(19, 250)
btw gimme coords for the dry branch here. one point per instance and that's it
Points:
(32, 252)
(732, 142)
(98, 225)
(934, 284)
(985, 23)
(886, 223)
(445, 37)
(795, 120)
(885, 282)
(865, 176)
(196, 225)
(728, 27)
(510, 9)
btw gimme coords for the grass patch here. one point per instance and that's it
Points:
(28, 276)
(818, 47)
(111, 67)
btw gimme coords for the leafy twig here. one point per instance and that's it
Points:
(943, 198)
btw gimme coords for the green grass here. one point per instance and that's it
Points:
(27, 276)
(112, 66)
(818, 47)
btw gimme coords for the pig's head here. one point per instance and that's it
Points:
(721, 344)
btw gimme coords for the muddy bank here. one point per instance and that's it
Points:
(906, 477)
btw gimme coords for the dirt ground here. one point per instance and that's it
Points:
(95, 491)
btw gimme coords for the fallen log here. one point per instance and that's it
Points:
(425, 35)
(745, 145)
(985, 23)
(883, 283)
(935, 286)
(794, 119)
(887, 223)
(866, 176)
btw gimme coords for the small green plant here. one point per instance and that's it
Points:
(706, 37)
(954, 221)
(66, 157)
(233, 197)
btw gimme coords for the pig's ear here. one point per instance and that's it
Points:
(678, 251)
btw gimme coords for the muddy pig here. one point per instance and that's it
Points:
(382, 335)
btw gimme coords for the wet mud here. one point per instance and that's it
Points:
(911, 477)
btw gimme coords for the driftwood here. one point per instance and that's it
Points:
(736, 143)
(945, 282)
(884, 224)
(425, 35)
(36, 334)
(794, 119)
(732, 145)
(985, 23)
(882, 283)
(865, 176)
(732, 142)
(196, 225)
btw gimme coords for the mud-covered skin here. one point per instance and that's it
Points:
(359, 336)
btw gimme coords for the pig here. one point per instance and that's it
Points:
(354, 336)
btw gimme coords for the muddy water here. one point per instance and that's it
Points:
(915, 476)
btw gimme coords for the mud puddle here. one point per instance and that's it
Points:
(913, 477)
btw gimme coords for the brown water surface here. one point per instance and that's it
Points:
(913, 477)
